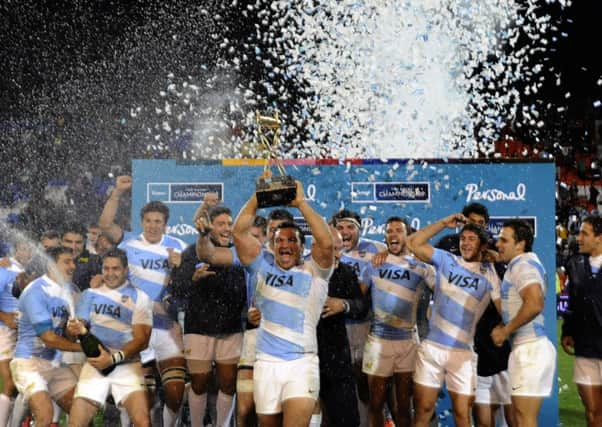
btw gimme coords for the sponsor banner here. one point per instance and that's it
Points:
(495, 223)
(390, 192)
(182, 192)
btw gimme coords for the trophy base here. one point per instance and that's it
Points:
(278, 191)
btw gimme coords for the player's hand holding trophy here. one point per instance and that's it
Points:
(272, 190)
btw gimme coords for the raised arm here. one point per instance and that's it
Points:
(418, 241)
(322, 250)
(247, 246)
(106, 221)
(206, 250)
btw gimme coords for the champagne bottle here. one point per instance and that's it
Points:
(89, 344)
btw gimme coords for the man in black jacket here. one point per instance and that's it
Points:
(337, 383)
(582, 326)
(215, 298)
(88, 267)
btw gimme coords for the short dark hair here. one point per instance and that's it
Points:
(50, 234)
(280, 214)
(479, 231)
(216, 211)
(596, 223)
(55, 252)
(117, 253)
(402, 220)
(345, 213)
(523, 232)
(260, 222)
(476, 208)
(155, 206)
(75, 228)
(290, 224)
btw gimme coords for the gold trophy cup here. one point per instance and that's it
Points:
(272, 190)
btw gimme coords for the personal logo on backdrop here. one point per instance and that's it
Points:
(390, 192)
(182, 192)
(474, 193)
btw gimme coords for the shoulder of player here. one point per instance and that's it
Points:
(174, 242)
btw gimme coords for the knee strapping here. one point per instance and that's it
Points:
(244, 386)
(173, 374)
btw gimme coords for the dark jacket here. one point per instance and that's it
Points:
(333, 345)
(583, 318)
(213, 305)
(87, 265)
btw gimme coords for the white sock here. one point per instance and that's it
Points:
(223, 408)
(56, 415)
(169, 417)
(124, 418)
(316, 420)
(19, 409)
(198, 405)
(5, 409)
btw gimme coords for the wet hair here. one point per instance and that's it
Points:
(261, 222)
(476, 208)
(479, 231)
(522, 232)
(217, 211)
(280, 214)
(75, 228)
(117, 253)
(50, 234)
(289, 224)
(345, 213)
(155, 206)
(595, 222)
(57, 251)
(402, 220)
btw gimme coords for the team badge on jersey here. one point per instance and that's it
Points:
(124, 298)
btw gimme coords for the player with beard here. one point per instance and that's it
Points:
(219, 256)
(358, 254)
(395, 287)
(290, 295)
(465, 284)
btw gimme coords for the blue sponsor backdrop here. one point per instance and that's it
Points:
(422, 191)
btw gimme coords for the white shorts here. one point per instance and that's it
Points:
(383, 357)
(457, 367)
(275, 382)
(532, 366)
(73, 357)
(493, 390)
(248, 354)
(164, 344)
(33, 375)
(201, 350)
(587, 371)
(357, 333)
(8, 339)
(124, 379)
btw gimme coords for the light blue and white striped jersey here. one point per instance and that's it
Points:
(523, 270)
(290, 302)
(395, 288)
(112, 312)
(462, 292)
(44, 306)
(8, 303)
(149, 270)
(251, 282)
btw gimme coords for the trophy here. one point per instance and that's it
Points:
(272, 190)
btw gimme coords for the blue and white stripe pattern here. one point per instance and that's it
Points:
(149, 269)
(524, 269)
(395, 288)
(462, 292)
(112, 312)
(8, 303)
(43, 306)
(290, 302)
